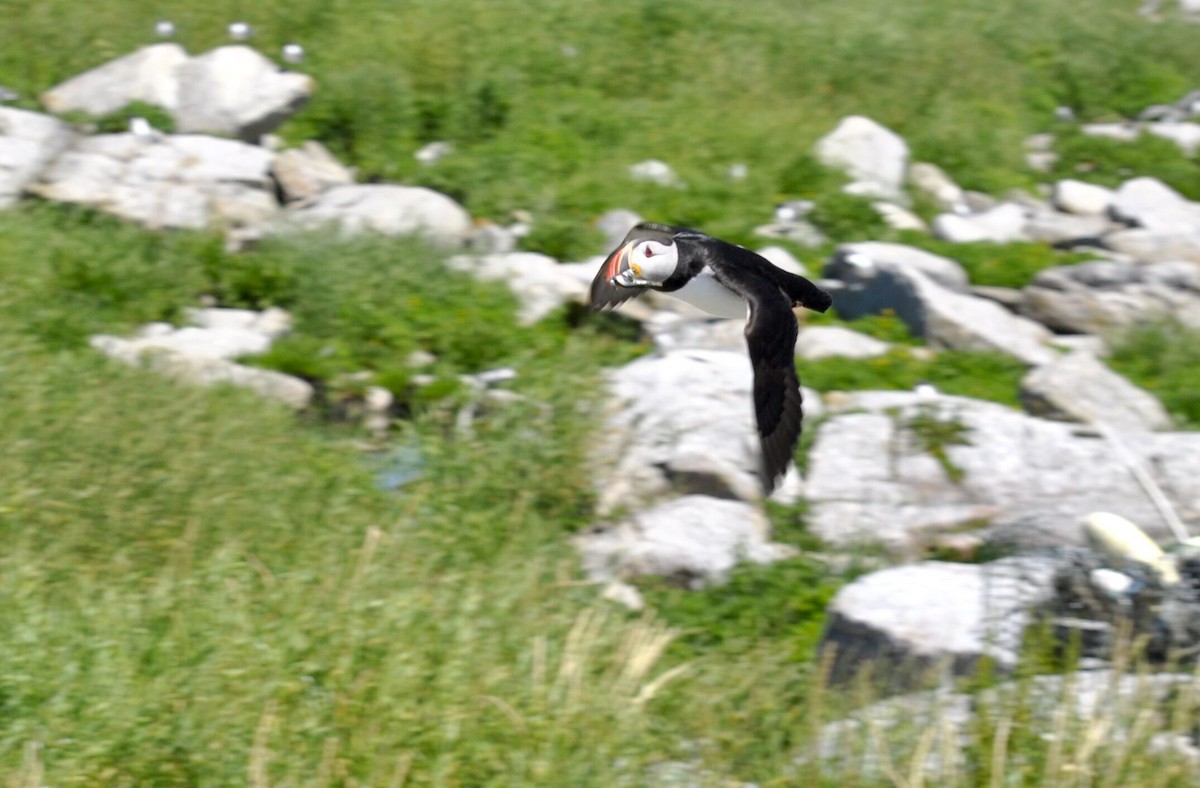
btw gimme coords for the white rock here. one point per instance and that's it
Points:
(1151, 204)
(234, 90)
(909, 621)
(1184, 134)
(782, 258)
(1079, 387)
(834, 341)
(932, 181)
(538, 281)
(1122, 132)
(307, 171)
(433, 152)
(855, 262)
(695, 539)
(899, 218)
(1083, 199)
(182, 181)
(705, 441)
(655, 171)
(1003, 224)
(149, 74)
(29, 141)
(875, 157)
(386, 209)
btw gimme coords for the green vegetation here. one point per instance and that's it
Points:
(196, 587)
(998, 265)
(1162, 358)
(991, 376)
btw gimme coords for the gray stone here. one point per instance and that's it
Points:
(184, 181)
(875, 158)
(305, 172)
(386, 209)
(798, 232)
(907, 622)
(1155, 246)
(234, 90)
(1082, 199)
(703, 441)
(433, 152)
(944, 318)
(1003, 224)
(934, 183)
(1150, 204)
(856, 262)
(1102, 296)
(835, 341)
(674, 331)
(538, 281)
(1079, 387)
(149, 74)
(695, 539)
(873, 478)
(1064, 228)
(28, 143)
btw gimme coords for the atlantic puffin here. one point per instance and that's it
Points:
(726, 280)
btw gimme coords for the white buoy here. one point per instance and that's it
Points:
(1120, 539)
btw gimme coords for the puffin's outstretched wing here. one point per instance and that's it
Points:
(771, 333)
(604, 293)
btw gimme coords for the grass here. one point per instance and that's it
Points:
(198, 588)
(1157, 357)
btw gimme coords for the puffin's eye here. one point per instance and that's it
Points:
(647, 251)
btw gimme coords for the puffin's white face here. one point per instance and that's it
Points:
(648, 263)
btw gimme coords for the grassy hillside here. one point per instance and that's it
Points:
(197, 587)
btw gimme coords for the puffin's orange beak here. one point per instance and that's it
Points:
(617, 262)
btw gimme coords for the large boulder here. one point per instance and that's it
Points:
(184, 181)
(235, 90)
(1151, 204)
(897, 468)
(875, 157)
(858, 261)
(902, 623)
(305, 172)
(386, 209)
(28, 143)
(149, 75)
(1079, 387)
(682, 423)
(944, 318)
(1100, 296)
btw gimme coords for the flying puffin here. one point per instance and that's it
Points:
(728, 281)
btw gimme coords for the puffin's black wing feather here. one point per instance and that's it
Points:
(605, 294)
(771, 333)
(801, 291)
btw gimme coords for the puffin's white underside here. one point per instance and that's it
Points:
(704, 292)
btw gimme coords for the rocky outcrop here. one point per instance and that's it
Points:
(182, 181)
(1079, 387)
(903, 625)
(28, 143)
(898, 468)
(874, 157)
